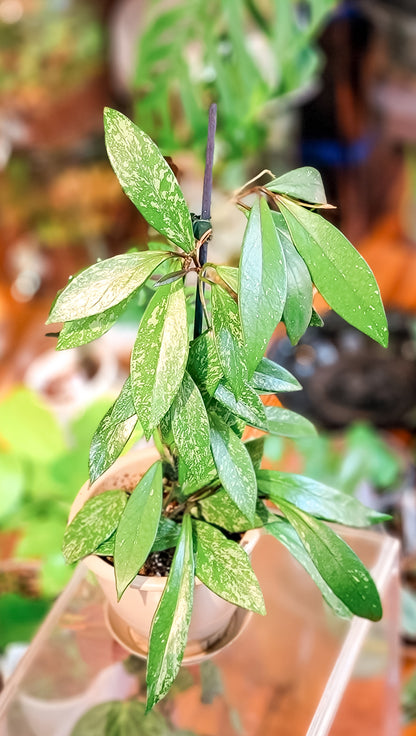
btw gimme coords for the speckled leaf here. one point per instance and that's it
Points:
(304, 183)
(316, 498)
(234, 467)
(262, 282)
(229, 339)
(172, 618)
(285, 533)
(106, 548)
(120, 718)
(224, 567)
(269, 377)
(93, 524)
(137, 527)
(147, 179)
(247, 407)
(338, 271)
(220, 510)
(104, 285)
(229, 275)
(237, 425)
(204, 363)
(337, 564)
(113, 433)
(167, 536)
(287, 423)
(316, 319)
(82, 331)
(190, 427)
(255, 449)
(159, 355)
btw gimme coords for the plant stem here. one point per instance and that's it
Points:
(206, 208)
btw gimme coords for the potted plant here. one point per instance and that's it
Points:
(194, 390)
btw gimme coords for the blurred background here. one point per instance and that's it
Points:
(297, 82)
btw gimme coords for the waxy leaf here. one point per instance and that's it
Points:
(229, 339)
(220, 510)
(229, 275)
(171, 620)
(316, 319)
(304, 183)
(255, 449)
(120, 718)
(234, 467)
(248, 406)
(285, 533)
(204, 363)
(338, 271)
(316, 498)
(104, 285)
(287, 423)
(167, 536)
(269, 377)
(147, 179)
(262, 282)
(224, 567)
(113, 433)
(337, 564)
(159, 355)
(82, 331)
(191, 431)
(93, 524)
(137, 527)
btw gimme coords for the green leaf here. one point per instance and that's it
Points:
(112, 433)
(287, 423)
(204, 363)
(229, 339)
(285, 533)
(221, 511)
(159, 355)
(262, 282)
(82, 331)
(167, 535)
(269, 377)
(255, 449)
(106, 548)
(104, 285)
(248, 407)
(316, 498)
(229, 275)
(224, 567)
(316, 319)
(171, 620)
(93, 524)
(172, 276)
(337, 564)
(147, 179)
(234, 467)
(137, 527)
(338, 271)
(304, 183)
(191, 432)
(120, 718)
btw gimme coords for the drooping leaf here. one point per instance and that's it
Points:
(261, 282)
(120, 718)
(93, 524)
(229, 275)
(285, 533)
(337, 564)
(171, 621)
(104, 285)
(221, 511)
(338, 271)
(229, 339)
(234, 467)
(269, 377)
(159, 355)
(316, 498)
(137, 527)
(287, 423)
(204, 363)
(248, 406)
(191, 432)
(224, 567)
(147, 179)
(304, 183)
(112, 433)
(82, 331)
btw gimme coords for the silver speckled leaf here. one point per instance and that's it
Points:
(248, 406)
(93, 524)
(269, 377)
(287, 423)
(204, 363)
(229, 338)
(82, 331)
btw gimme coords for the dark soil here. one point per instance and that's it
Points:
(158, 563)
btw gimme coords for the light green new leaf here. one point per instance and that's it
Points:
(159, 355)
(120, 718)
(191, 432)
(285, 533)
(338, 271)
(316, 498)
(229, 275)
(104, 285)
(93, 524)
(82, 331)
(287, 423)
(229, 341)
(172, 618)
(137, 527)
(224, 567)
(147, 179)
(262, 282)
(304, 183)
(204, 363)
(269, 377)
(234, 467)
(220, 510)
(337, 564)
(248, 406)
(113, 433)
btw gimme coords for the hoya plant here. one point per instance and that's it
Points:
(197, 376)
